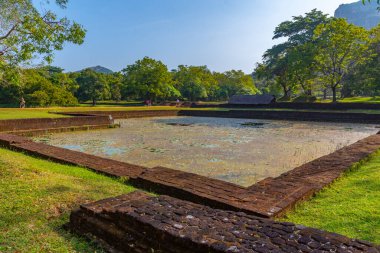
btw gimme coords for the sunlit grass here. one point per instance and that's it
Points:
(351, 206)
(371, 100)
(361, 100)
(16, 113)
(37, 197)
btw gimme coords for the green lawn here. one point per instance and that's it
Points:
(16, 113)
(351, 206)
(37, 197)
(370, 100)
(375, 100)
(13, 113)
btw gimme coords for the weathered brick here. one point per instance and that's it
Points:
(157, 224)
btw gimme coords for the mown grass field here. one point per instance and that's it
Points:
(36, 199)
(370, 100)
(375, 100)
(16, 113)
(351, 206)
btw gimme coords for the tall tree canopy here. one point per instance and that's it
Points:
(341, 46)
(234, 82)
(25, 31)
(92, 86)
(194, 82)
(149, 79)
(291, 63)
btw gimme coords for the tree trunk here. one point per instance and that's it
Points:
(93, 101)
(286, 91)
(334, 93)
(324, 94)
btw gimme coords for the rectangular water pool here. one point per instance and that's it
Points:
(240, 151)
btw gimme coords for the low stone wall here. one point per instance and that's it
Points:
(299, 106)
(287, 115)
(25, 125)
(244, 114)
(140, 223)
(128, 114)
(269, 198)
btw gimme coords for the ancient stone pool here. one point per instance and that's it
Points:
(241, 151)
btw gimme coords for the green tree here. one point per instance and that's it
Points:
(364, 80)
(298, 50)
(194, 82)
(234, 82)
(60, 79)
(276, 67)
(115, 83)
(149, 79)
(40, 91)
(341, 47)
(26, 31)
(91, 86)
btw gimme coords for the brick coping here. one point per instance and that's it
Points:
(137, 222)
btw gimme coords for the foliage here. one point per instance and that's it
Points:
(38, 88)
(341, 46)
(322, 55)
(148, 79)
(25, 31)
(365, 79)
(303, 98)
(194, 82)
(92, 86)
(234, 82)
(291, 63)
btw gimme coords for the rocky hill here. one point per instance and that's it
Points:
(356, 13)
(99, 69)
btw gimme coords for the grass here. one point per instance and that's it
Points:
(12, 113)
(369, 100)
(351, 206)
(375, 100)
(16, 113)
(37, 197)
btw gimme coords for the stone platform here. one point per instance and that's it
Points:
(140, 223)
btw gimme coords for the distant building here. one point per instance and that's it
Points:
(252, 100)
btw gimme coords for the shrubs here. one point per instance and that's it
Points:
(305, 99)
(39, 88)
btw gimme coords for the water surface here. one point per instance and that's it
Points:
(235, 150)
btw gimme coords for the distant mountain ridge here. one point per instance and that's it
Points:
(358, 14)
(99, 69)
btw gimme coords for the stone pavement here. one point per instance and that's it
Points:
(140, 223)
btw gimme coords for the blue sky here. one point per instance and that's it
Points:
(222, 34)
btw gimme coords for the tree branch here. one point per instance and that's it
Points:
(10, 31)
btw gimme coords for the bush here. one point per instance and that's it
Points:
(38, 98)
(305, 99)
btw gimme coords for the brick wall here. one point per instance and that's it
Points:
(51, 123)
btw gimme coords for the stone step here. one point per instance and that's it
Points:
(138, 222)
